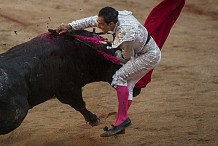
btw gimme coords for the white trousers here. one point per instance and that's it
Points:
(131, 83)
(131, 72)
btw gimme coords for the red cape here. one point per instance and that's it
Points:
(159, 23)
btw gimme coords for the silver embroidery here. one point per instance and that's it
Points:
(84, 23)
(138, 65)
(130, 36)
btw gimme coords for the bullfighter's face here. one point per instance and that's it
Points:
(104, 26)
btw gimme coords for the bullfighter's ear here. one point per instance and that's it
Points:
(112, 24)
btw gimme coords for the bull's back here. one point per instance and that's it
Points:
(49, 63)
(37, 62)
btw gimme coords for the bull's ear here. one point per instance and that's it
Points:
(53, 31)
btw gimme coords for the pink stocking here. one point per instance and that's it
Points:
(122, 94)
(129, 103)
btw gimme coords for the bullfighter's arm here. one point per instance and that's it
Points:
(125, 36)
(128, 50)
(84, 23)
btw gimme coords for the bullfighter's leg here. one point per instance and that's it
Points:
(12, 113)
(75, 100)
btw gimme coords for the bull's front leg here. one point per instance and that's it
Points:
(91, 118)
(13, 110)
(74, 99)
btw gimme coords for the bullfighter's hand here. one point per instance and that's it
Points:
(63, 28)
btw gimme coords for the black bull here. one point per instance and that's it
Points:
(50, 66)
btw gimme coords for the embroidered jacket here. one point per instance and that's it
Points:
(130, 35)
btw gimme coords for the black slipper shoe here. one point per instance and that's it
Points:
(116, 129)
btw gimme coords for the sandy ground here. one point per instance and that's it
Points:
(178, 108)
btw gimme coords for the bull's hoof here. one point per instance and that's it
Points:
(95, 123)
(90, 118)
